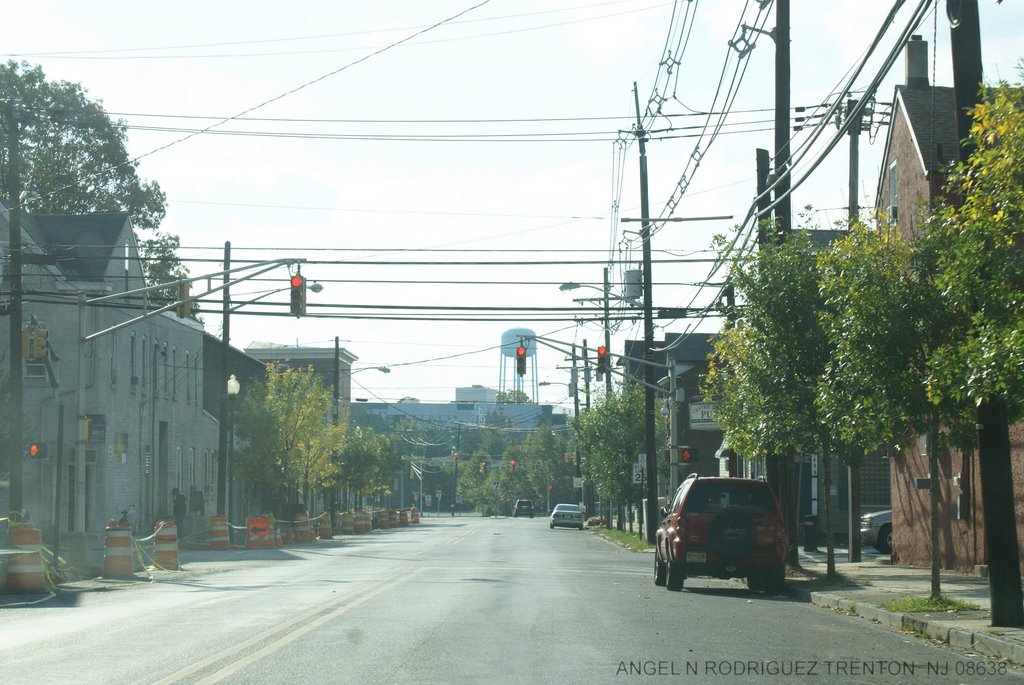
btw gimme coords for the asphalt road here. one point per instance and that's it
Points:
(457, 600)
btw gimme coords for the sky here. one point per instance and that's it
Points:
(424, 157)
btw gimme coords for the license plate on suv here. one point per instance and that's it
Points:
(697, 557)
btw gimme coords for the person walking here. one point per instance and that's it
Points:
(179, 507)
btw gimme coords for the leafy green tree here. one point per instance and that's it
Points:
(768, 368)
(875, 390)
(288, 436)
(979, 235)
(513, 397)
(74, 156)
(611, 435)
(368, 461)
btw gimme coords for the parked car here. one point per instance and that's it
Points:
(566, 516)
(523, 507)
(876, 529)
(723, 528)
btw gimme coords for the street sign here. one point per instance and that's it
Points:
(426, 500)
(702, 416)
(638, 474)
(437, 494)
(577, 482)
(641, 460)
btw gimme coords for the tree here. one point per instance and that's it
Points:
(767, 369)
(74, 156)
(875, 392)
(289, 438)
(979, 238)
(368, 461)
(611, 435)
(513, 397)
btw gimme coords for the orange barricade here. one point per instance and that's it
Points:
(277, 537)
(392, 519)
(257, 534)
(303, 530)
(384, 520)
(414, 515)
(25, 569)
(326, 532)
(219, 536)
(348, 523)
(117, 560)
(362, 522)
(403, 518)
(166, 553)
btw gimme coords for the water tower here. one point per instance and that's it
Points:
(509, 380)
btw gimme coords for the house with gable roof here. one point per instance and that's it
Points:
(146, 429)
(921, 147)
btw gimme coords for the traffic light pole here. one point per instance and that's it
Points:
(16, 413)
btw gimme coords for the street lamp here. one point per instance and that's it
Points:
(233, 386)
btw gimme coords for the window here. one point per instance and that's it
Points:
(113, 359)
(133, 372)
(167, 380)
(191, 467)
(174, 372)
(894, 192)
(144, 374)
(177, 462)
(188, 377)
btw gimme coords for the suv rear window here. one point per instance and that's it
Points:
(715, 496)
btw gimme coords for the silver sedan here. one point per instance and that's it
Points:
(566, 516)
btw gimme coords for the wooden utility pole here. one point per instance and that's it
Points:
(222, 442)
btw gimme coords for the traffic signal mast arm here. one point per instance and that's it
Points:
(261, 268)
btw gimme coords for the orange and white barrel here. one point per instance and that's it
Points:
(414, 515)
(403, 517)
(348, 523)
(362, 522)
(384, 519)
(25, 569)
(303, 529)
(166, 553)
(326, 532)
(277, 537)
(257, 533)
(392, 518)
(220, 537)
(117, 558)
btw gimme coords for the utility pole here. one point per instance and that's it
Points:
(994, 459)
(764, 201)
(853, 465)
(784, 205)
(607, 336)
(16, 416)
(651, 510)
(222, 444)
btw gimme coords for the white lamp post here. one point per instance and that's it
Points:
(233, 387)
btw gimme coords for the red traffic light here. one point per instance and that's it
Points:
(456, 456)
(36, 450)
(520, 351)
(550, 488)
(602, 350)
(513, 464)
(297, 281)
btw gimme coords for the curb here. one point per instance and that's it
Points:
(961, 638)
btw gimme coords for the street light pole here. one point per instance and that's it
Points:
(233, 386)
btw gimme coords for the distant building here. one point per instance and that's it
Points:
(334, 365)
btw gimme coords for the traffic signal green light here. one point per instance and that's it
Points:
(298, 295)
(521, 360)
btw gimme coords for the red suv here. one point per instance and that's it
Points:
(724, 528)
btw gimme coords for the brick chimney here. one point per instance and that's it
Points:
(917, 64)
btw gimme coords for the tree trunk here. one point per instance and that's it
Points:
(830, 543)
(933, 496)
(1000, 520)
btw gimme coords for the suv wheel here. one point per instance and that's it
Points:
(660, 571)
(755, 581)
(675, 578)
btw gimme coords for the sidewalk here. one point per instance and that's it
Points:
(874, 581)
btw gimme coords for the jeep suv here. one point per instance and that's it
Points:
(723, 528)
(523, 507)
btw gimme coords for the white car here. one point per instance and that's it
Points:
(876, 529)
(566, 516)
